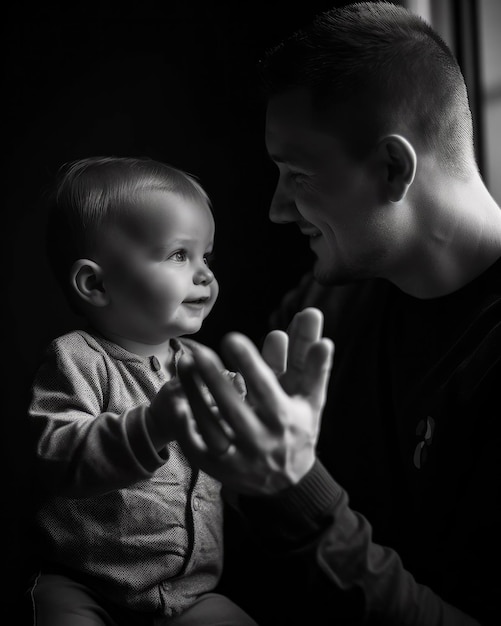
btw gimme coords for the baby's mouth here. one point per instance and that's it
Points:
(197, 301)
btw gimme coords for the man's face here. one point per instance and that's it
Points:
(333, 198)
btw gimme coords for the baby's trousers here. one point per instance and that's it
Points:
(58, 600)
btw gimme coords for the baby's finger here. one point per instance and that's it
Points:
(239, 384)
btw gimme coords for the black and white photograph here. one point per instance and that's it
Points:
(253, 322)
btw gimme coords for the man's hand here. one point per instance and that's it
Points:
(162, 419)
(266, 442)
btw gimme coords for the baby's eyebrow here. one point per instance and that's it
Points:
(180, 240)
(159, 250)
(173, 243)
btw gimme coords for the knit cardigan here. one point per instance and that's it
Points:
(141, 526)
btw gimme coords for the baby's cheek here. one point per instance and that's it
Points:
(214, 290)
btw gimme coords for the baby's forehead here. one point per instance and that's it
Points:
(142, 196)
(164, 199)
(155, 215)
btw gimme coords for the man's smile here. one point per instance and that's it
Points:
(310, 231)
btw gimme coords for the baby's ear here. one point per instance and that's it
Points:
(87, 280)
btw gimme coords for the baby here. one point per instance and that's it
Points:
(127, 532)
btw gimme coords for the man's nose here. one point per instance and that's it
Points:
(203, 275)
(283, 208)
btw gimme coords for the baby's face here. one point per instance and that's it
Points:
(156, 271)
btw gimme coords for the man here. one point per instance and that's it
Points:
(390, 514)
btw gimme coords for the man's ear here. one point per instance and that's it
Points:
(399, 162)
(87, 280)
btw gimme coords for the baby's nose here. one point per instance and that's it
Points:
(203, 276)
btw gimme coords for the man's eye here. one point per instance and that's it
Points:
(297, 177)
(179, 256)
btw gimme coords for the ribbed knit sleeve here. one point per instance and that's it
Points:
(350, 577)
(294, 515)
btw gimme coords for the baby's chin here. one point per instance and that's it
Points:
(209, 305)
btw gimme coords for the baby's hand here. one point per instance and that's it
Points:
(238, 382)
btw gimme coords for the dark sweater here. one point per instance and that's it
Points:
(404, 526)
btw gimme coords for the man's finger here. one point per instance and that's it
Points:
(317, 371)
(197, 348)
(306, 328)
(213, 434)
(194, 447)
(232, 408)
(264, 389)
(274, 351)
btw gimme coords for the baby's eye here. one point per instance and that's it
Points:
(208, 258)
(179, 256)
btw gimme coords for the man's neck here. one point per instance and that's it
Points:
(459, 238)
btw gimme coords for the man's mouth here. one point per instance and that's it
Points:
(309, 232)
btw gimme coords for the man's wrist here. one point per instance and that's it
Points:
(302, 468)
(295, 514)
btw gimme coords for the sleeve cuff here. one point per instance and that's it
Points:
(298, 513)
(144, 451)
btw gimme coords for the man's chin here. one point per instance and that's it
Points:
(323, 275)
(327, 275)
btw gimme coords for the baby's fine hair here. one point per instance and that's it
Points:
(92, 193)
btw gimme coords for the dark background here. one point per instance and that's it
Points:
(174, 81)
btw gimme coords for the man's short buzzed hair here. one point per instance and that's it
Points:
(389, 68)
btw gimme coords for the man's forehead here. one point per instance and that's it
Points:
(288, 124)
(290, 107)
(292, 130)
